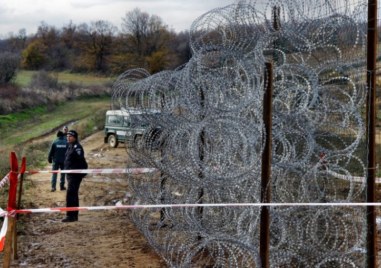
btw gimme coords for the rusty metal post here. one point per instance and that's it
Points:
(264, 249)
(201, 146)
(162, 179)
(276, 17)
(371, 131)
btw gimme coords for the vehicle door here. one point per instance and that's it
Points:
(128, 131)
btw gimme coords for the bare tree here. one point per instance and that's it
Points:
(55, 53)
(68, 35)
(135, 25)
(16, 42)
(96, 41)
(149, 38)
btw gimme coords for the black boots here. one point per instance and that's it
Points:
(69, 219)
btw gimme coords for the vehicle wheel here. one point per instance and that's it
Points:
(112, 141)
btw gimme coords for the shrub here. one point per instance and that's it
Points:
(44, 80)
(9, 91)
(34, 56)
(9, 62)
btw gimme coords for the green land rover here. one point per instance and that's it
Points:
(123, 126)
(126, 126)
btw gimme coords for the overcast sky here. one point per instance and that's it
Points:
(28, 14)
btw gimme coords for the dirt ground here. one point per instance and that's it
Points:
(104, 238)
(100, 238)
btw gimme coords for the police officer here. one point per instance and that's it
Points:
(74, 159)
(57, 157)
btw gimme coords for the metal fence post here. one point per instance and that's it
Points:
(266, 169)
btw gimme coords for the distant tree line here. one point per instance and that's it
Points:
(143, 41)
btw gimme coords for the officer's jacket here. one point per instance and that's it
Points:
(75, 157)
(58, 150)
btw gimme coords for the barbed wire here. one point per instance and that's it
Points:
(205, 133)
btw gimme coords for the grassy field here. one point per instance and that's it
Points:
(85, 114)
(23, 78)
(18, 130)
(20, 127)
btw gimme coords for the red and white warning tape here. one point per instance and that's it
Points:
(3, 232)
(4, 228)
(4, 181)
(258, 205)
(133, 171)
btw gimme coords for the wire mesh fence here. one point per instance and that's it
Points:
(205, 134)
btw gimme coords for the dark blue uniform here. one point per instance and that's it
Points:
(75, 159)
(57, 156)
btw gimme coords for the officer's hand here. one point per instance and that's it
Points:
(50, 160)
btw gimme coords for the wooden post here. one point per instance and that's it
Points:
(371, 131)
(264, 249)
(11, 207)
(18, 205)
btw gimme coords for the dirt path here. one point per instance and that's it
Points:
(99, 238)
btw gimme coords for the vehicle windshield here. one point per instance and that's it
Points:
(138, 120)
(143, 120)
